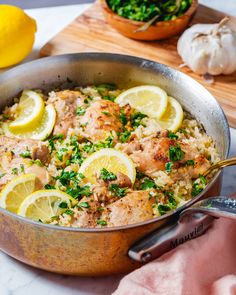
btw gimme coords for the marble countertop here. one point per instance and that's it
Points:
(19, 279)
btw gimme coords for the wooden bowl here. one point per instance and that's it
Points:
(157, 31)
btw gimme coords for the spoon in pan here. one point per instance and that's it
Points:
(221, 164)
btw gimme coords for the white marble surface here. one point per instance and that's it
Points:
(19, 279)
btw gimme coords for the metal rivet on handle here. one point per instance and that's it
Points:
(146, 257)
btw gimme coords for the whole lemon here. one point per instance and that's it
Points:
(17, 31)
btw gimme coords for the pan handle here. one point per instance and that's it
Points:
(192, 222)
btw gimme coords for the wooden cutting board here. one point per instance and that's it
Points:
(90, 33)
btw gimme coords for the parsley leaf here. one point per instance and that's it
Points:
(136, 119)
(147, 183)
(84, 205)
(169, 166)
(26, 154)
(175, 153)
(106, 175)
(63, 205)
(124, 136)
(80, 111)
(123, 117)
(198, 186)
(117, 191)
(52, 140)
(101, 222)
(172, 135)
(190, 163)
(49, 186)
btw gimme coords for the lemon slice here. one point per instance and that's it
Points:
(30, 111)
(44, 204)
(110, 159)
(16, 191)
(149, 100)
(41, 131)
(173, 117)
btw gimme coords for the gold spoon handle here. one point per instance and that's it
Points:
(221, 164)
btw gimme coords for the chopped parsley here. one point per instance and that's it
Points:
(136, 119)
(190, 163)
(123, 117)
(22, 168)
(198, 186)
(139, 175)
(106, 175)
(147, 183)
(63, 205)
(175, 153)
(60, 153)
(101, 222)
(172, 135)
(37, 162)
(181, 130)
(117, 191)
(69, 212)
(80, 111)
(170, 205)
(2, 174)
(51, 141)
(26, 154)
(79, 191)
(106, 113)
(49, 186)
(124, 136)
(84, 205)
(14, 171)
(169, 166)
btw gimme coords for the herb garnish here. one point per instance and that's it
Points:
(169, 166)
(26, 154)
(123, 117)
(101, 222)
(80, 111)
(147, 183)
(51, 141)
(84, 205)
(106, 175)
(190, 163)
(124, 136)
(136, 119)
(63, 205)
(49, 186)
(14, 171)
(198, 186)
(69, 212)
(172, 135)
(117, 191)
(175, 153)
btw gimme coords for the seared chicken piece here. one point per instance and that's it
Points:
(201, 164)
(11, 168)
(135, 207)
(15, 146)
(65, 103)
(122, 180)
(153, 154)
(100, 119)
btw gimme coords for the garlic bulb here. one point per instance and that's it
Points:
(209, 48)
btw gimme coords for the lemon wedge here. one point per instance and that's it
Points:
(110, 159)
(44, 204)
(173, 117)
(29, 112)
(16, 191)
(41, 131)
(149, 100)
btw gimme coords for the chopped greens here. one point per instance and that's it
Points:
(51, 141)
(198, 185)
(63, 205)
(190, 163)
(172, 135)
(147, 183)
(49, 186)
(26, 154)
(80, 111)
(140, 10)
(84, 205)
(117, 191)
(124, 136)
(69, 212)
(14, 171)
(169, 166)
(123, 117)
(136, 119)
(175, 153)
(101, 222)
(106, 175)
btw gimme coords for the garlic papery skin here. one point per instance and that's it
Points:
(209, 48)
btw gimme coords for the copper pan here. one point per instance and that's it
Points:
(96, 252)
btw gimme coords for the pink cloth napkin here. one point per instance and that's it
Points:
(204, 266)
